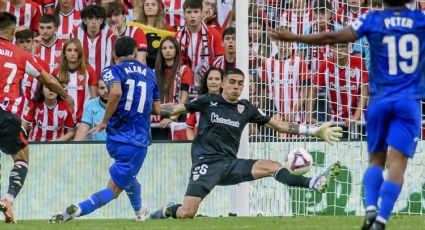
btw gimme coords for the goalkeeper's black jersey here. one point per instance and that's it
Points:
(220, 125)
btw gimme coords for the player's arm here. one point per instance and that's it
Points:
(82, 132)
(342, 36)
(156, 108)
(53, 84)
(324, 132)
(168, 110)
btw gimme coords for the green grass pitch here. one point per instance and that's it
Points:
(260, 223)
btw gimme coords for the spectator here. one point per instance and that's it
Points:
(97, 41)
(200, 44)
(50, 118)
(211, 83)
(288, 82)
(128, 8)
(26, 11)
(94, 110)
(46, 5)
(81, 4)
(258, 97)
(174, 80)
(49, 46)
(344, 78)
(78, 78)
(320, 23)
(69, 18)
(115, 12)
(228, 61)
(30, 84)
(174, 13)
(151, 13)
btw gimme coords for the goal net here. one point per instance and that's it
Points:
(310, 85)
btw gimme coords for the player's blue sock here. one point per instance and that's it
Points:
(389, 194)
(134, 191)
(372, 181)
(96, 201)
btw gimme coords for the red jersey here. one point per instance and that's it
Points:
(49, 123)
(173, 11)
(68, 23)
(99, 50)
(221, 63)
(183, 77)
(30, 85)
(284, 80)
(343, 85)
(28, 15)
(51, 54)
(14, 63)
(78, 88)
(138, 35)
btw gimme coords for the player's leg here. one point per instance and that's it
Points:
(377, 127)
(14, 143)
(402, 138)
(266, 168)
(204, 177)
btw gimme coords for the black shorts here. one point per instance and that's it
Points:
(12, 135)
(205, 175)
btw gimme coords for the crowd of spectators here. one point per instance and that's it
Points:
(189, 44)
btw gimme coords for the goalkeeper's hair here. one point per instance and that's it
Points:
(233, 71)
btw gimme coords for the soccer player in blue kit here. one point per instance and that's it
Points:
(133, 96)
(396, 84)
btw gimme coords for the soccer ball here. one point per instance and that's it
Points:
(298, 161)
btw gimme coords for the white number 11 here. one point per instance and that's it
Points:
(130, 94)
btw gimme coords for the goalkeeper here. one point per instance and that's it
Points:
(214, 162)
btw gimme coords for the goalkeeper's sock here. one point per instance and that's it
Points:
(96, 201)
(389, 194)
(285, 177)
(172, 211)
(134, 193)
(372, 181)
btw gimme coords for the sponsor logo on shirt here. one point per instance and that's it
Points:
(215, 118)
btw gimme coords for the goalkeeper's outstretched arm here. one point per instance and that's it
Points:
(324, 132)
(169, 110)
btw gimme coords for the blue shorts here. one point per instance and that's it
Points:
(393, 123)
(128, 161)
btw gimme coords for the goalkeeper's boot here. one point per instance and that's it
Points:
(378, 226)
(67, 215)
(142, 214)
(369, 219)
(6, 208)
(321, 182)
(162, 212)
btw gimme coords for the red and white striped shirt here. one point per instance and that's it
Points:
(14, 63)
(138, 35)
(28, 15)
(298, 22)
(29, 87)
(68, 23)
(78, 90)
(343, 85)
(99, 50)
(81, 4)
(345, 18)
(49, 123)
(51, 54)
(44, 4)
(174, 13)
(284, 80)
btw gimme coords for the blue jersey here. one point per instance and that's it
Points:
(397, 46)
(131, 121)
